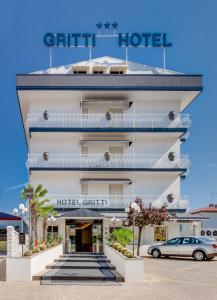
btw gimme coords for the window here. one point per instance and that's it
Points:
(84, 189)
(116, 149)
(190, 240)
(98, 72)
(80, 72)
(55, 229)
(115, 189)
(187, 241)
(84, 150)
(175, 241)
(159, 233)
(196, 241)
(115, 72)
(116, 110)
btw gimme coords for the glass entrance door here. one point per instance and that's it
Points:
(83, 237)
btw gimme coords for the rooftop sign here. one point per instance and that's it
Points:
(135, 39)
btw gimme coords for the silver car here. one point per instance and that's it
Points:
(199, 248)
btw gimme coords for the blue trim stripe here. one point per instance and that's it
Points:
(181, 170)
(79, 129)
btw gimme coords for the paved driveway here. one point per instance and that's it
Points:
(164, 279)
(198, 278)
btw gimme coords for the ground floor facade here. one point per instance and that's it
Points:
(84, 230)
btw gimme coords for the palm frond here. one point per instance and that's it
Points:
(38, 189)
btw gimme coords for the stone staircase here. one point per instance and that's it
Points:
(80, 268)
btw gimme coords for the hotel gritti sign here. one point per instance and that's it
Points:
(80, 203)
(107, 30)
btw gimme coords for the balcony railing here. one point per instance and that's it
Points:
(114, 201)
(99, 161)
(53, 120)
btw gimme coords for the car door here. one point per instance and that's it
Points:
(171, 247)
(186, 247)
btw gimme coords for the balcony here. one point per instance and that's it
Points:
(114, 201)
(37, 122)
(107, 162)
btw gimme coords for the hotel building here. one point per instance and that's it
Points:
(101, 133)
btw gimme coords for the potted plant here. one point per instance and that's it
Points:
(107, 156)
(170, 198)
(108, 116)
(98, 242)
(171, 115)
(45, 156)
(171, 156)
(45, 115)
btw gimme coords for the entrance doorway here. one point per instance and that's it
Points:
(83, 234)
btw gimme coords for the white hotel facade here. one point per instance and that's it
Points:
(102, 132)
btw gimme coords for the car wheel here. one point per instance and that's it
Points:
(156, 253)
(199, 255)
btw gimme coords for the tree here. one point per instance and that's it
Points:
(37, 195)
(45, 211)
(146, 216)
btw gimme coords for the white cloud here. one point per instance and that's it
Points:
(14, 187)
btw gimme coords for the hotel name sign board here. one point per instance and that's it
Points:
(80, 203)
(136, 39)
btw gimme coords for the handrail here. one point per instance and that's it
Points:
(116, 120)
(114, 161)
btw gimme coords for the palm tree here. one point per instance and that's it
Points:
(45, 211)
(38, 194)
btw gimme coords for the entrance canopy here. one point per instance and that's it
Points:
(81, 213)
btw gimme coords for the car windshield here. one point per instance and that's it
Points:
(207, 240)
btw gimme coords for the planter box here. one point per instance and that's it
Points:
(23, 268)
(131, 268)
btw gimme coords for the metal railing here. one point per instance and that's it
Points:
(54, 120)
(99, 161)
(114, 201)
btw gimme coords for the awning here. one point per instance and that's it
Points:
(109, 100)
(81, 213)
(107, 180)
(129, 142)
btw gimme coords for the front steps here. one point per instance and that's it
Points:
(80, 268)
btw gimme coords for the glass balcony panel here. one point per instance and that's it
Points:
(118, 161)
(101, 121)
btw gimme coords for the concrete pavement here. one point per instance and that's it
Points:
(165, 279)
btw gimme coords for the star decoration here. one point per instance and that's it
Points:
(99, 25)
(106, 25)
(115, 25)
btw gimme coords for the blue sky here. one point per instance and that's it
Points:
(190, 25)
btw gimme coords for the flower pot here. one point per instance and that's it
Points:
(107, 156)
(45, 115)
(171, 115)
(108, 116)
(45, 156)
(171, 156)
(170, 198)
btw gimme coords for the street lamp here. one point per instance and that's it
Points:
(135, 210)
(28, 192)
(194, 225)
(52, 219)
(23, 211)
(114, 220)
